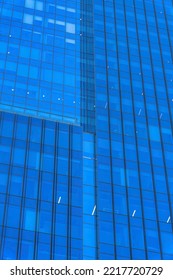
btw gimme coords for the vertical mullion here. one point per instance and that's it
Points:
(23, 189)
(122, 129)
(36, 235)
(69, 218)
(109, 130)
(54, 192)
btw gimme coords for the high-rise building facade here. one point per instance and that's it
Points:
(86, 132)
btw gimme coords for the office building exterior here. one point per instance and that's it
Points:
(86, 144)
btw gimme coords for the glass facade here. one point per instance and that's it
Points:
(86, 134)
(133, 82)
(40, 58)
(41, 179)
